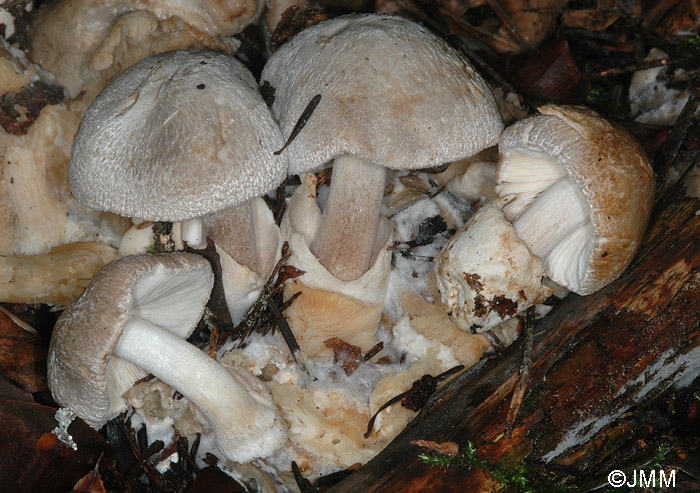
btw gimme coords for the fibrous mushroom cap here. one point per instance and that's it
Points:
(613, 173)
(87, 332)
(391, 93)
(176, 136)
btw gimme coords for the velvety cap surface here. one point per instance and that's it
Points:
(176, 136)
(391, 93)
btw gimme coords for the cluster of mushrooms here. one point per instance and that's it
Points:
(184, 136)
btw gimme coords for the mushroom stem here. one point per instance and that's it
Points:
(192, 232)
(245, 428)
(554, 215)
(233, 230)
(346, 237)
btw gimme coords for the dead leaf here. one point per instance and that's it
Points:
(90, 483)
(9, 390)
(22, 356)
(547, 74)
(34, 459)
(346, 355)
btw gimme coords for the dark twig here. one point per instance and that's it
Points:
(373, 351)
(289, 338)
(421, 390)
(519, 391)
(137, 444)
(633, 68)
(256, 313)
(304, 484)
(301, 123)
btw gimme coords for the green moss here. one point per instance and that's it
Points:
(516, 479)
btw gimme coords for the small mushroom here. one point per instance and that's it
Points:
(578, 190)
(132, 320)
(178, 136)
(392, 95)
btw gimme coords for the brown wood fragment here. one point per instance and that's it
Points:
(446, 448)
(292, 21)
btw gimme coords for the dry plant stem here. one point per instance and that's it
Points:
(350, 221)
(233, 230)
(519, 391)
(553, 216)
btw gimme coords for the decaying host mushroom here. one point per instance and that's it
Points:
(178, 136)
(330, 307)
(486, 274)
(576, 193)
(132, 320)
(579, 192)
(57, 277)
(77, 39)
(392, 96)
(36, 209)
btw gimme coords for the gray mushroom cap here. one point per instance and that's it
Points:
(176, 136)
(83, 373)
(391, 92)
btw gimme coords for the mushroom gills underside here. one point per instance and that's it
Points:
(158, 298)
(169, 300)
(549, 213)
(522, 176)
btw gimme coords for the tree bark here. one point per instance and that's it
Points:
(594, 358)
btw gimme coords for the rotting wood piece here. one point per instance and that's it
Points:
(594, 358)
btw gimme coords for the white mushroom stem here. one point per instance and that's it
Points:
(192, 232)
(346, 237)
(555, 215)
(233, 230)
(245, 428)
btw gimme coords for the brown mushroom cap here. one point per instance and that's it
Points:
(81, 364)
(610, 171)
(174, 137)
(391, 92)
